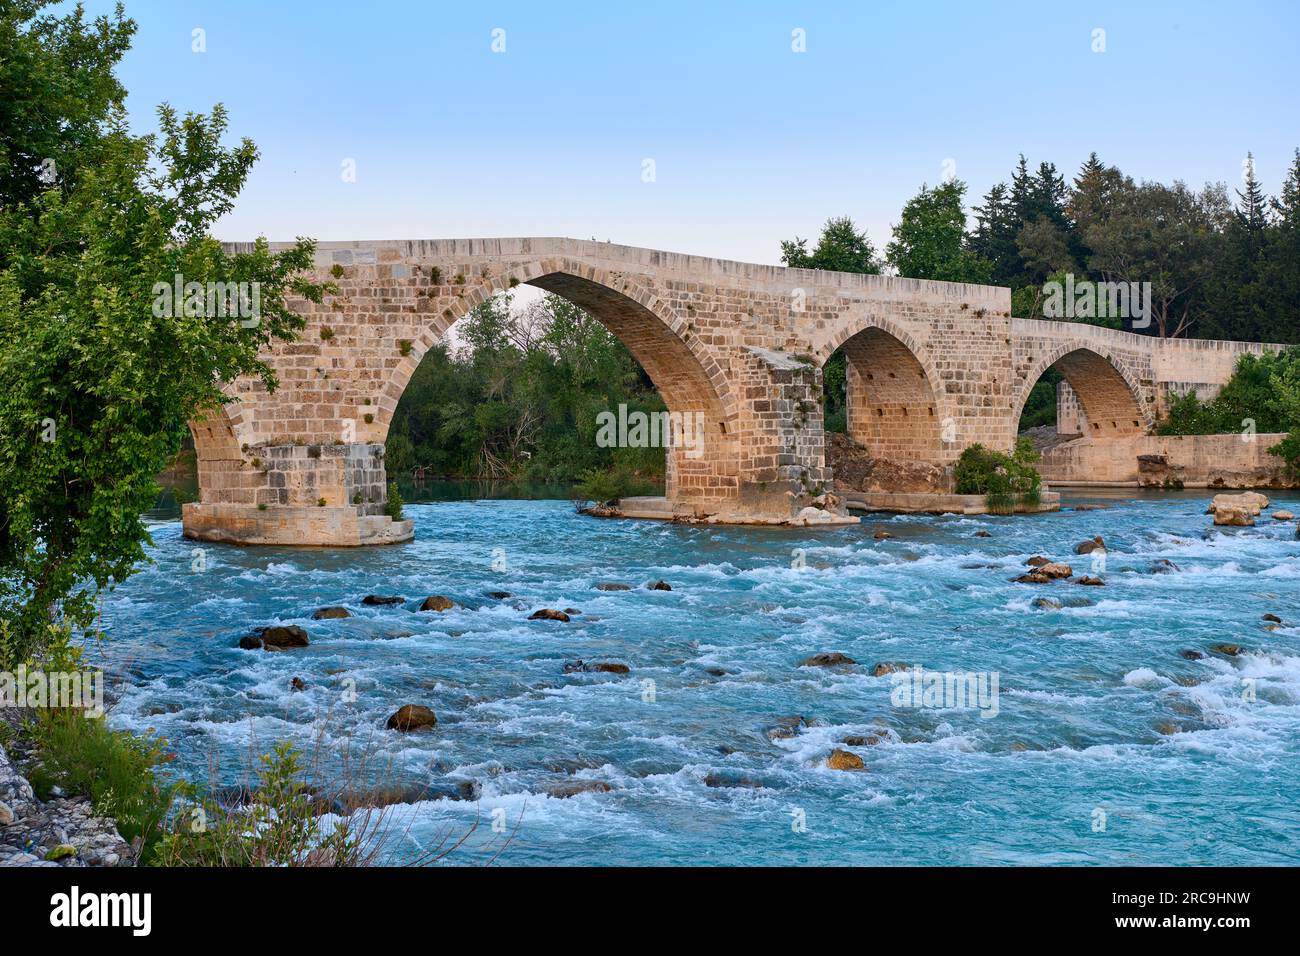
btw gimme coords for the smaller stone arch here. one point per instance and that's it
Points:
(218, 450)
(1110, 396)
(895, 400)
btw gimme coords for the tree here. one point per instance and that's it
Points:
(58, 82)
(929, 239)
(98, 375)
(841, 248)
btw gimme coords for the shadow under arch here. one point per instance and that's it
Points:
(1108, 395)
(682, 370)
(893, 394)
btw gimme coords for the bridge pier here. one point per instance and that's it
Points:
(295, 494)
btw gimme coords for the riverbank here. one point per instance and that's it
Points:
(59, 831)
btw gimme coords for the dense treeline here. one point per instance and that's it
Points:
(518, 399)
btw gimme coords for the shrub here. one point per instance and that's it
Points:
(1005, 480)
(393, 506)
(336, 271)
(117, 770)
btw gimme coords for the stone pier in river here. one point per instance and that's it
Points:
(932, 368)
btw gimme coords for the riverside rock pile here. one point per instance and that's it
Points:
(62, 831)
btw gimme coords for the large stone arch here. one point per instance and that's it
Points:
(895, 401)
(684, 372)
(1110, 397)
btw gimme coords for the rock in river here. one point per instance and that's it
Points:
(330, 613)
(827, 659)
(548, 614)
(412, 717)
(374, 600)
(275, 638)
(843, 760)
(437, 602)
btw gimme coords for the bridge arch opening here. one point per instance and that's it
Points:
(701, 459)
(1092, 397)
(890, 399)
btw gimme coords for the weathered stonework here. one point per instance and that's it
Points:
(932, 368)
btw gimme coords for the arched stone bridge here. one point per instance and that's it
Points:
(932, 367)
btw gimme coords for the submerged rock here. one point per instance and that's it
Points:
(613, 586)
(297, 684)
(1033, 577)
(882, 535)
(660, 586)
(548, 614)
(786, 727)
(378, 600)
(572, 788)
(1046, 604)
(1272, 617)
(1188, 654)
(330, 613)
(499, 595)
(1087, 547)
(983, 534)
(1229, 650)
(437, 602)
(595, 667)
(865, 740)
(1090, 581)
(275, 638)
(889, 667)
(412, 717)
(827, 659)
(1163, 566)
(843, 760)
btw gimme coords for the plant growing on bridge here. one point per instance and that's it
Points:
(96, 389)
(1005, 480)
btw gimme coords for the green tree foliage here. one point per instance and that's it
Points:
(97, 383)
(520, 399)
(929, 239)
(1006, 480)
(841, 248)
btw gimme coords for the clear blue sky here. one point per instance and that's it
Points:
(751, 141)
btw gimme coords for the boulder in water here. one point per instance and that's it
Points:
(660, 586)
(499, 595)
(1087, 547)
(827, 659)
(330, 613)
(275, 638)
(1283, 516)
(1228, 650)
(412, 717)
(843, 760)
(889, 667)
(613, 586)
(1188, 654)
(437, 602)
(379, 600)
(548, 614)
(572, 788)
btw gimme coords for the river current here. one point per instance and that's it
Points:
(1105, 745)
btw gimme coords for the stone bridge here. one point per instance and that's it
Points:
(932, 367)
